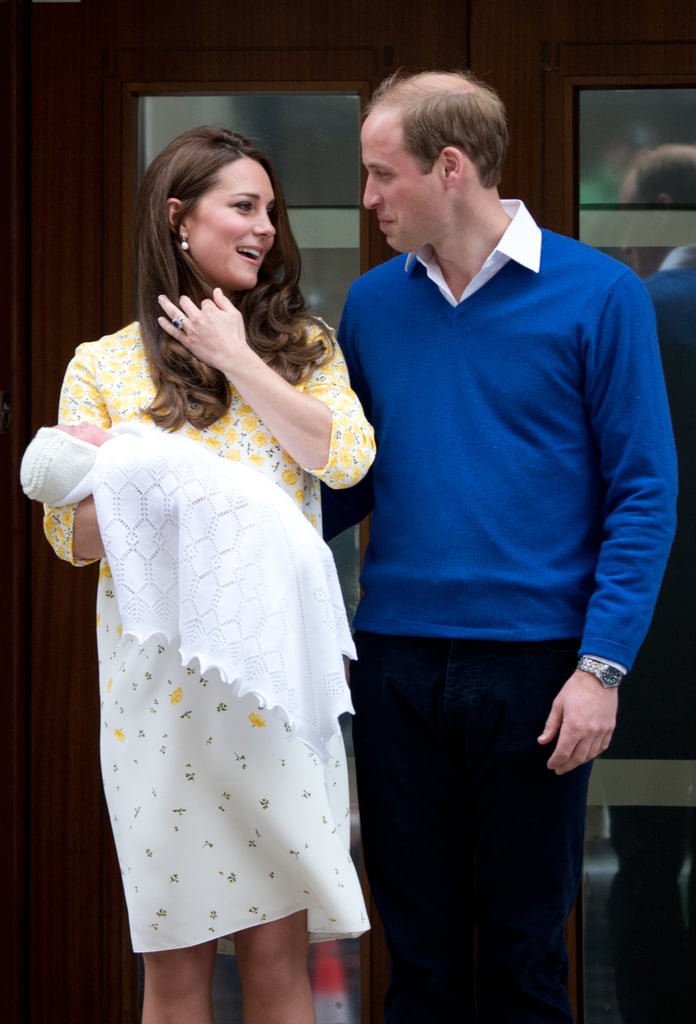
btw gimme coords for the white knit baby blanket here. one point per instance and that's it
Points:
(215, 557)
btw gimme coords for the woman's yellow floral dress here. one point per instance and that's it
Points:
(222, 818)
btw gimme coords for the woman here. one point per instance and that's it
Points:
(223, 824)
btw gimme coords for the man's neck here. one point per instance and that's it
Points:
(462, 255)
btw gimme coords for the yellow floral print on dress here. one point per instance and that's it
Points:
(107, 382)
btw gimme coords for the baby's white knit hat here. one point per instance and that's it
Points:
(54, 466)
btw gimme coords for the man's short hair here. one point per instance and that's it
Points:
(669, 169)
(448, 108)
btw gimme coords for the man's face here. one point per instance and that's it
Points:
(409, 204)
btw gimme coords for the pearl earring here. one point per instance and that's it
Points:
(184, 244)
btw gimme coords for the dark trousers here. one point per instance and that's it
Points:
(473, 848)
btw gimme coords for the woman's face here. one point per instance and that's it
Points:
(229, 231)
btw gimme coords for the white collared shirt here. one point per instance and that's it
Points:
(521, 242)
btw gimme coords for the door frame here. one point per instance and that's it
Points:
(571, 67)
(14, 508)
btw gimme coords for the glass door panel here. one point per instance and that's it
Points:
(637, 201)
(312, 139)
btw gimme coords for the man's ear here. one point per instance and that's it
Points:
(173, 211)
(454, 163)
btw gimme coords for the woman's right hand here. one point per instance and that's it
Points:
(215, 334)
(214, 331)
(87, 542)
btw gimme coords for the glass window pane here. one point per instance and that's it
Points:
(637, 201)
(616, 126)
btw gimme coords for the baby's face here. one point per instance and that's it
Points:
(85, 431)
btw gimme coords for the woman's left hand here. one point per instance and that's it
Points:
(213, 332)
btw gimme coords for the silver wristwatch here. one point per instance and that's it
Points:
(608, 675)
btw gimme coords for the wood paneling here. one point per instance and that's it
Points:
(13, 508)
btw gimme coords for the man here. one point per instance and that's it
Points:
(654, 890)
(662, 179)
(522, 503)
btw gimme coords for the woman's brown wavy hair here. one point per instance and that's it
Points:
(274, 310)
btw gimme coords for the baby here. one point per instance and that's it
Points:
(56, 465)
(213, 556)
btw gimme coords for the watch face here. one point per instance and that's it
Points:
(611, 676)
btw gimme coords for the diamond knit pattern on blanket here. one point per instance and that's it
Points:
(213, 556)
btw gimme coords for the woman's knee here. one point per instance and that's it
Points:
(276, 950)
(180, 969)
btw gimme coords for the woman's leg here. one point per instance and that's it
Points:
(178, 985)
(272, 965)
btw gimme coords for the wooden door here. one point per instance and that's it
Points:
(90, 62)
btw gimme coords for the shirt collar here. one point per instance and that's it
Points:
(521, 240)
(683, 256)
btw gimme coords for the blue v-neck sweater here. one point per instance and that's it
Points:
(525, 478)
